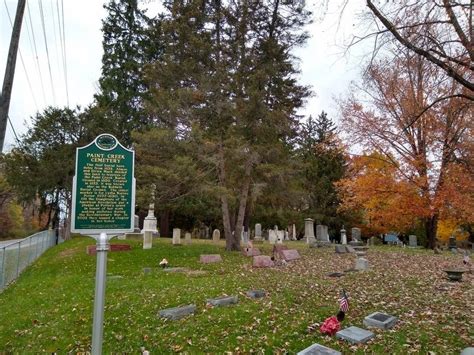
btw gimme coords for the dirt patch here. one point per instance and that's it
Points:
(68, 253)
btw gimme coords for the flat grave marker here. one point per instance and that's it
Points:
(380, 320)
(256, 293)
(318, 349)
(223, 301)
(210, 258)
(355, 335)
(177, 312)
(262, 261)
(290, 254)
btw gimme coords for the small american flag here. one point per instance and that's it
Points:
(343, 302)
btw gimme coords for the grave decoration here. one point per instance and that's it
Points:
(333, 324)
(164, 263)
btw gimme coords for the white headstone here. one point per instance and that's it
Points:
(136, 224)
(258, 232)
(293, 234)
(412, 242)
(361, 264)
(326, 234)
(187, 238)
(356, 234)
(244, 237)
(343, 236)
(147, 239)
(216, 236)
(287, 235)
(309, 231)
(176, 236)
(280, 237)
(322, 233)
(149, 224)
(272, 236)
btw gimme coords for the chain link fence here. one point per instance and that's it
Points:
(15, 257)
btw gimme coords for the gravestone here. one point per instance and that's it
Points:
(293, 232)
(290, 254)
(244, 237)
(176, 236)
(380, 320)
(210, 258)
(341, 249)
(262, 261)
(412, 242)
(361, 264)
(272, 236)
(136, 224)
(467, 351)
(222, 301)
(322, 233)
(256, 293)
(178, 312)
(318, 349)
(149, 224)
(280, 237)
(216, 236)
(350, 249)
(258, 233)
(355, 335)
(343, 236)
(147, 239)
(309, 231)
(287, 235)
(187, 238)
(356, 234)
(452, 243)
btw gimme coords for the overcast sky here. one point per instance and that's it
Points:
(38, 85)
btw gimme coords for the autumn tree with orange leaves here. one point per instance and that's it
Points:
(375, 187)
(427, 156)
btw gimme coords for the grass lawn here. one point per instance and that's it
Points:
(49, 308)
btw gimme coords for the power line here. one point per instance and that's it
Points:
(36, 52)
(13, 129)
(63, 46)
(22, 61)
(40, 3)
(55, 35)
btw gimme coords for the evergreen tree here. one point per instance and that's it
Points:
(324, 163)
(128, 46)
(227, 69)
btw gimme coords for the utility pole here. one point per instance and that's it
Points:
(10, 71)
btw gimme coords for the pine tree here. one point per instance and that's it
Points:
(227, 68)
(127, 48)
(324, 163)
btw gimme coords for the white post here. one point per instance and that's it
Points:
(102, 247)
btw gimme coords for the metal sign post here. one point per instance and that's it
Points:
(99, 298)
(103, 203)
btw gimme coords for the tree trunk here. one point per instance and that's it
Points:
(165, 223)
(431, 227)
(231, 241)
(244, 192)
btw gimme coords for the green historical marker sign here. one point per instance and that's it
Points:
(103, 197)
